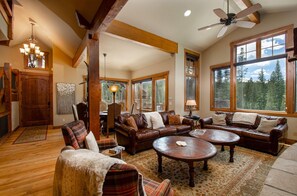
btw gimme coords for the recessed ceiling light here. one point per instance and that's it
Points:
(187, 13)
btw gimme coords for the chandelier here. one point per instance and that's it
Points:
(31, 49)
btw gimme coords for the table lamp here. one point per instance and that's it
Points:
(191, 104)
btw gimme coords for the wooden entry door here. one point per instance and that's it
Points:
(35, 99)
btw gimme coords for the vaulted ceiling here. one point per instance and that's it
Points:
(57, 25)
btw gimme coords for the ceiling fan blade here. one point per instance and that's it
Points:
(222, 31)
(220, 13)
(245, 24)
(209, 26)
(248, 10)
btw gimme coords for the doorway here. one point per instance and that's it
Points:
(36, 99)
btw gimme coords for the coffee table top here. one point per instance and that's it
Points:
(195, 150)
(214, 136)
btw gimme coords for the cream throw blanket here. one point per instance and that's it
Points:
(244, 118)
(81, 172)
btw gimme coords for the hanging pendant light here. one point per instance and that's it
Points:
(31, 49)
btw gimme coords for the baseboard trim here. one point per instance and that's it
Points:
(56, 127)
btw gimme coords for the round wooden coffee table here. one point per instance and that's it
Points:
(218, 137)
(195, 150)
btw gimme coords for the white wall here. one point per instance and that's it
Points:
(220, 53)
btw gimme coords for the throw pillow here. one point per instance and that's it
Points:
(157, 121)
(266, 125)
(131, 122)
(91, 142)
(174, 119)
(80, 133)
(219, 119)
(148, 118)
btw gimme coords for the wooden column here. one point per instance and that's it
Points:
(94, 84)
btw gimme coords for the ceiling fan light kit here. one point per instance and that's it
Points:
(228, 19)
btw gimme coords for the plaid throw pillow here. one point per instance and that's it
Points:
(71, 139)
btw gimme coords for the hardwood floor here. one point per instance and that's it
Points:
(28, 169)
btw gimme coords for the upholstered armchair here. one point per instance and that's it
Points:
(83, 172)
(74, 134)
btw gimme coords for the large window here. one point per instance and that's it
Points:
(259, 71)
(220, 91)
(150, 93)
(191, 77)
(120, 95)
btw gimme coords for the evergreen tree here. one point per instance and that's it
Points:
(261, 91)
(241, 72)
(249, 94)
(276, 90)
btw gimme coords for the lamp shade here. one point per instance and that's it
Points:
(114, 88)
(191, 103)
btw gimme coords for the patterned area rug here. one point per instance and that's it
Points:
(32, 134)
(245, 176)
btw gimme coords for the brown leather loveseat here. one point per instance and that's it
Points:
(270, 142)
(142, 139)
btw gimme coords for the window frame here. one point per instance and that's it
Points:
(47, 65)
(153, 78)
(110, 80)
(197, 78)
(212, 96)
(290, 77)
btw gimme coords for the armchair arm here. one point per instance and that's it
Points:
(279, 131)
(163, 189)
(205, 121)
(106, 143)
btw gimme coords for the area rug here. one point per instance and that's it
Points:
(245, 176)
(32, 134)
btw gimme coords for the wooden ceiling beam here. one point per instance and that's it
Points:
(106, 12)
(125, 31)
(243, 4)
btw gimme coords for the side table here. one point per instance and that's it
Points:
(115, 152)
(195, 118)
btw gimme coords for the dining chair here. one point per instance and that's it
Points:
(82, 111)
(74, 111)
(114, 110)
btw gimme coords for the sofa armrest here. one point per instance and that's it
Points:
(205, 121)
(279, 131)
(163, 189)
(125, 130)
(187, 121)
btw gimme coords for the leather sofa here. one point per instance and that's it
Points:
(251, 138)
(135, 141)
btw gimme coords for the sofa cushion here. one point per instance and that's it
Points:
(256, 135)
(266, 125)
(147, 134)
(182, 128)
(174, 119)
(233, 129)
(157, 121)
(168, 130)
(131, 122)
(219, 119)
(164, 116)
(148, 118)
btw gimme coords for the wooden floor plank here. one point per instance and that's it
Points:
(28, 169)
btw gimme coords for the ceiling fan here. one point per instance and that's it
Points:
(228, 19)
